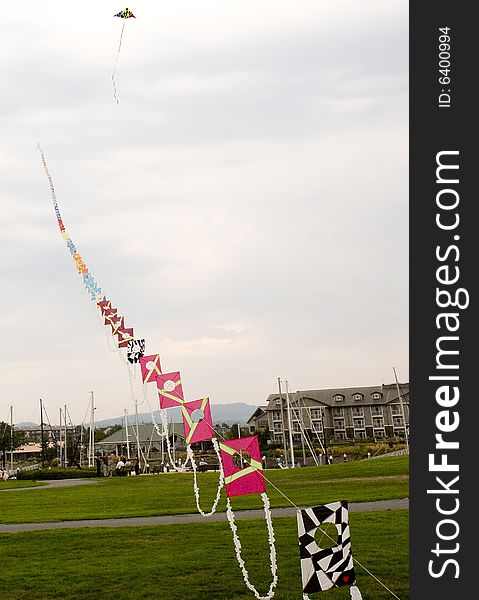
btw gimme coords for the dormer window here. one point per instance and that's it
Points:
(278, 401)
(376, 395)
(358, 396)
(339, 398)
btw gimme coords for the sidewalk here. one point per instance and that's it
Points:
(402, 503)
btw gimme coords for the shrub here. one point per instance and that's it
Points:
(56, 473)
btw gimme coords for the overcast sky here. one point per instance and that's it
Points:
(244, 205)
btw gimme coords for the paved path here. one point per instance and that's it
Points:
(192, 518)
(56, 483)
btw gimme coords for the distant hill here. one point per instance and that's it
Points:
(237, 412)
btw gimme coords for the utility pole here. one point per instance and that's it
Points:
(301, 426)
(60, 446)
(91, 444)
(11, 437)
(289, 423)
(402, 410)
(66, 435)
(282, 424)
(138, 449)
(127, 435)
(41, 430)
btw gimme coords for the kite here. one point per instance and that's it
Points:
(150, 367)
(124, 336)
(325, 568)
(197, 421)
(136, 349)
(242, 466)
(123, 14)
(170, 390)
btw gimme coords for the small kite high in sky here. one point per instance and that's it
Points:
(123, 14)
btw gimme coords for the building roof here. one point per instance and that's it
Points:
(146, 432)
(259, 412)
(327, 396)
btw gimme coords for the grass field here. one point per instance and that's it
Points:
(173, 493)
(194, 561)
(14, 483)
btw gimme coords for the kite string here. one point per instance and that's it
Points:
(191, 456)
(272, 548)
(116, 61)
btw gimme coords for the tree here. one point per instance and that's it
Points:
(8, 444)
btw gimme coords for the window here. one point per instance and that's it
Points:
(358, 411)
(278, 438)
(377, 411)
(379, 433)
(360, 434)
(376, 395)
(396, 409)
(251, 429)
(296, 426)
(398, 422)
(277, 427)
(296, 438)
(358, 423)
(316, 413)
(317, 425)
(338, 412)
(338, 398)
(276, 415)
(378, 422)
(358, 396)
(338, 423)
(340, 435)
(278, 401)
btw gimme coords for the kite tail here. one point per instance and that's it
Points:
(355, 593)
(47, 173)
(114, 66)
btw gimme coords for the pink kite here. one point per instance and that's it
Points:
(124, 335)
(170, 390)
(197, 421)
(104, 305)
(108, 313)
(117, 322)
(150, 367)
(242, 466)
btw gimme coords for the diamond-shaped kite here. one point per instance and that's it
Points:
(242, 466)
(170, 390)
(150, 367)
(197, 421)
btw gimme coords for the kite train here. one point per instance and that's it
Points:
(240, 464)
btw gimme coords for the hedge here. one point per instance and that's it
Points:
(56, 473)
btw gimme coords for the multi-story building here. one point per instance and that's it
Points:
(330, 415)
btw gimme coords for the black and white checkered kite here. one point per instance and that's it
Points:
(136, 349)
(324, 568)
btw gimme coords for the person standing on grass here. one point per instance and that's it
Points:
(137, 466)
(120, 465)
(98, 465)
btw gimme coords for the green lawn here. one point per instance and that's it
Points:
(194, 561)
(173, 493)
(14, 483)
